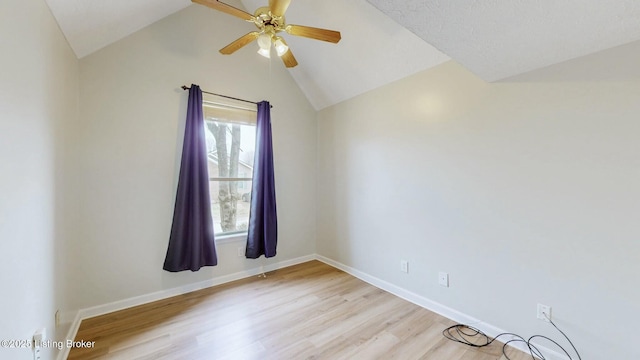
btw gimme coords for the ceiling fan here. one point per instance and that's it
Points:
(270, 21)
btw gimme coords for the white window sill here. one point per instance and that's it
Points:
(223, 239)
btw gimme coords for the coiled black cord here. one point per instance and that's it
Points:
(464, 334)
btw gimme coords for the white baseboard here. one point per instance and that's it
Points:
(437, 308)
(76, 317)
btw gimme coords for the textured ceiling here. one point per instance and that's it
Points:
(493, 39)
(499, 39)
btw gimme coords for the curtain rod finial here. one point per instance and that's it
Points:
(185, 87)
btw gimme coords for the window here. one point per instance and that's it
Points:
(230, 133)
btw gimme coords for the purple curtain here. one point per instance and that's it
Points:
(263, 224)
(191, 243)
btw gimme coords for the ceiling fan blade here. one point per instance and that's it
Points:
(236, 45)
(314, 33)
(278, 7)
(289, 60)
(225, 8)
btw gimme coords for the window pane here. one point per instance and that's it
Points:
(230, 213)
(230, 149)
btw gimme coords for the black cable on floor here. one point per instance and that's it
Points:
(469, 336)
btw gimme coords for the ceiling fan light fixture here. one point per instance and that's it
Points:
(264, 41)
(265, 52)
(281, 47)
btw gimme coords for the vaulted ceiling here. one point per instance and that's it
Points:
(386, 40)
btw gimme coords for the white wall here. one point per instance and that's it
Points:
(524, 191)
(133, 114)
(38, 123)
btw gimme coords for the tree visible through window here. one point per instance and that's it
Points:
(230, 148)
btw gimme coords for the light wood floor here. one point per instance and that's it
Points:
(307, 311)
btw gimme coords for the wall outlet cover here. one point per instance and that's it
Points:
(404, 266)
(542, 310)
(443, 279)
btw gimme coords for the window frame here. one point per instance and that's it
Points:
(210, 108)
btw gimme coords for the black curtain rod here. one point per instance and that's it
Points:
(224, 96)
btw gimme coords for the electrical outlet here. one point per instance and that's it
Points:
(40, 335)
(542, 310)
(404, 266)
(37, 341)
(443, 279)
(240, 251)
